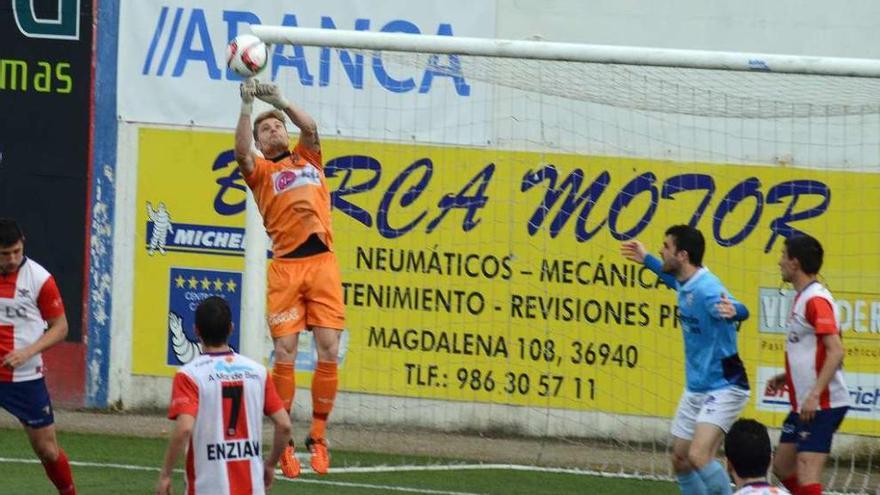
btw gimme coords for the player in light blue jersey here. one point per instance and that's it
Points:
(717, 388)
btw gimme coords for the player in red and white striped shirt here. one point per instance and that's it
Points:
(218, 401)
(29, 301)
(813, 371)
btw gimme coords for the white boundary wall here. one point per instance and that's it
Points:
(788, 27)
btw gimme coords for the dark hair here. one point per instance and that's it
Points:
(747, 447)
(10, 232)
(690, 240)
(213, 319)
(807, 250)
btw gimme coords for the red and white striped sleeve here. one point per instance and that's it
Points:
(820, 315)
(184, 396)
(273, 402)
(49, 300)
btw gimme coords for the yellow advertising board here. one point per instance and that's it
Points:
(495, 276)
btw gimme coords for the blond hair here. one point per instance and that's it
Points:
(268, 114)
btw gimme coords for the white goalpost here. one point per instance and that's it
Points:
(569, 52)
(482, 189)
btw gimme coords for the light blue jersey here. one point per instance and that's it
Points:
(711, 358)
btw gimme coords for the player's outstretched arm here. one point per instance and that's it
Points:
(183, 429)
(244, 138)
(271, 94)
(635, 251)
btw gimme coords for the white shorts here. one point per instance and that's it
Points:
(719, 407)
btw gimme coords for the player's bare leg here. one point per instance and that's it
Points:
(707, 440)
(324, 386)
(809, 471)
(688, 480)
(695, 464)
(45, 445)
(702, 456)
(680, 462)
(785, 466)
(284, 378)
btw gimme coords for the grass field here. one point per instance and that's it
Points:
(107, 464)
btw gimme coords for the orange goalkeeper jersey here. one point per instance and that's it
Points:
(293, 198)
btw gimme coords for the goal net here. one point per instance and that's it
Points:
(482, 190)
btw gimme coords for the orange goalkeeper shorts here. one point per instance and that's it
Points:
(304, 292)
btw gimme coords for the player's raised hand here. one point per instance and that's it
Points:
(248, 89)
(634, 250)
(271, 94)
(725, 307)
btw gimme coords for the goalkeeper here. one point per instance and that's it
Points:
(304, 283)
(717, 388)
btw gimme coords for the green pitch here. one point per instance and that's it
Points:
(104, 464)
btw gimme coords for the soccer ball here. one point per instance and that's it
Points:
(246, 55)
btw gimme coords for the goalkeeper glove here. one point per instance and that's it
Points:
(271, 94)
(247, 90)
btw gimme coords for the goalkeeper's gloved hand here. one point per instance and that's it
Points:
(271, 94)
(247, 90)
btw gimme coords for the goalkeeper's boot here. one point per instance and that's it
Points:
(289, 463)
(320, 456)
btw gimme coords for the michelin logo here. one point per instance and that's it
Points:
(209, 237)
(162, 226)
(165, 235)
(185, 350)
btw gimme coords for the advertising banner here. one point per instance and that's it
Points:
(495, 276)
(172, 67)
(45, 84)
(45, 80)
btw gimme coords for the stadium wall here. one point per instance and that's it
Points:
(174, 171)
(45, 82)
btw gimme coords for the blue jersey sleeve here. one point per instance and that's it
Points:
(655, 265)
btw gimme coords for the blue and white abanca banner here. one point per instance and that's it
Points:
(172, 67)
